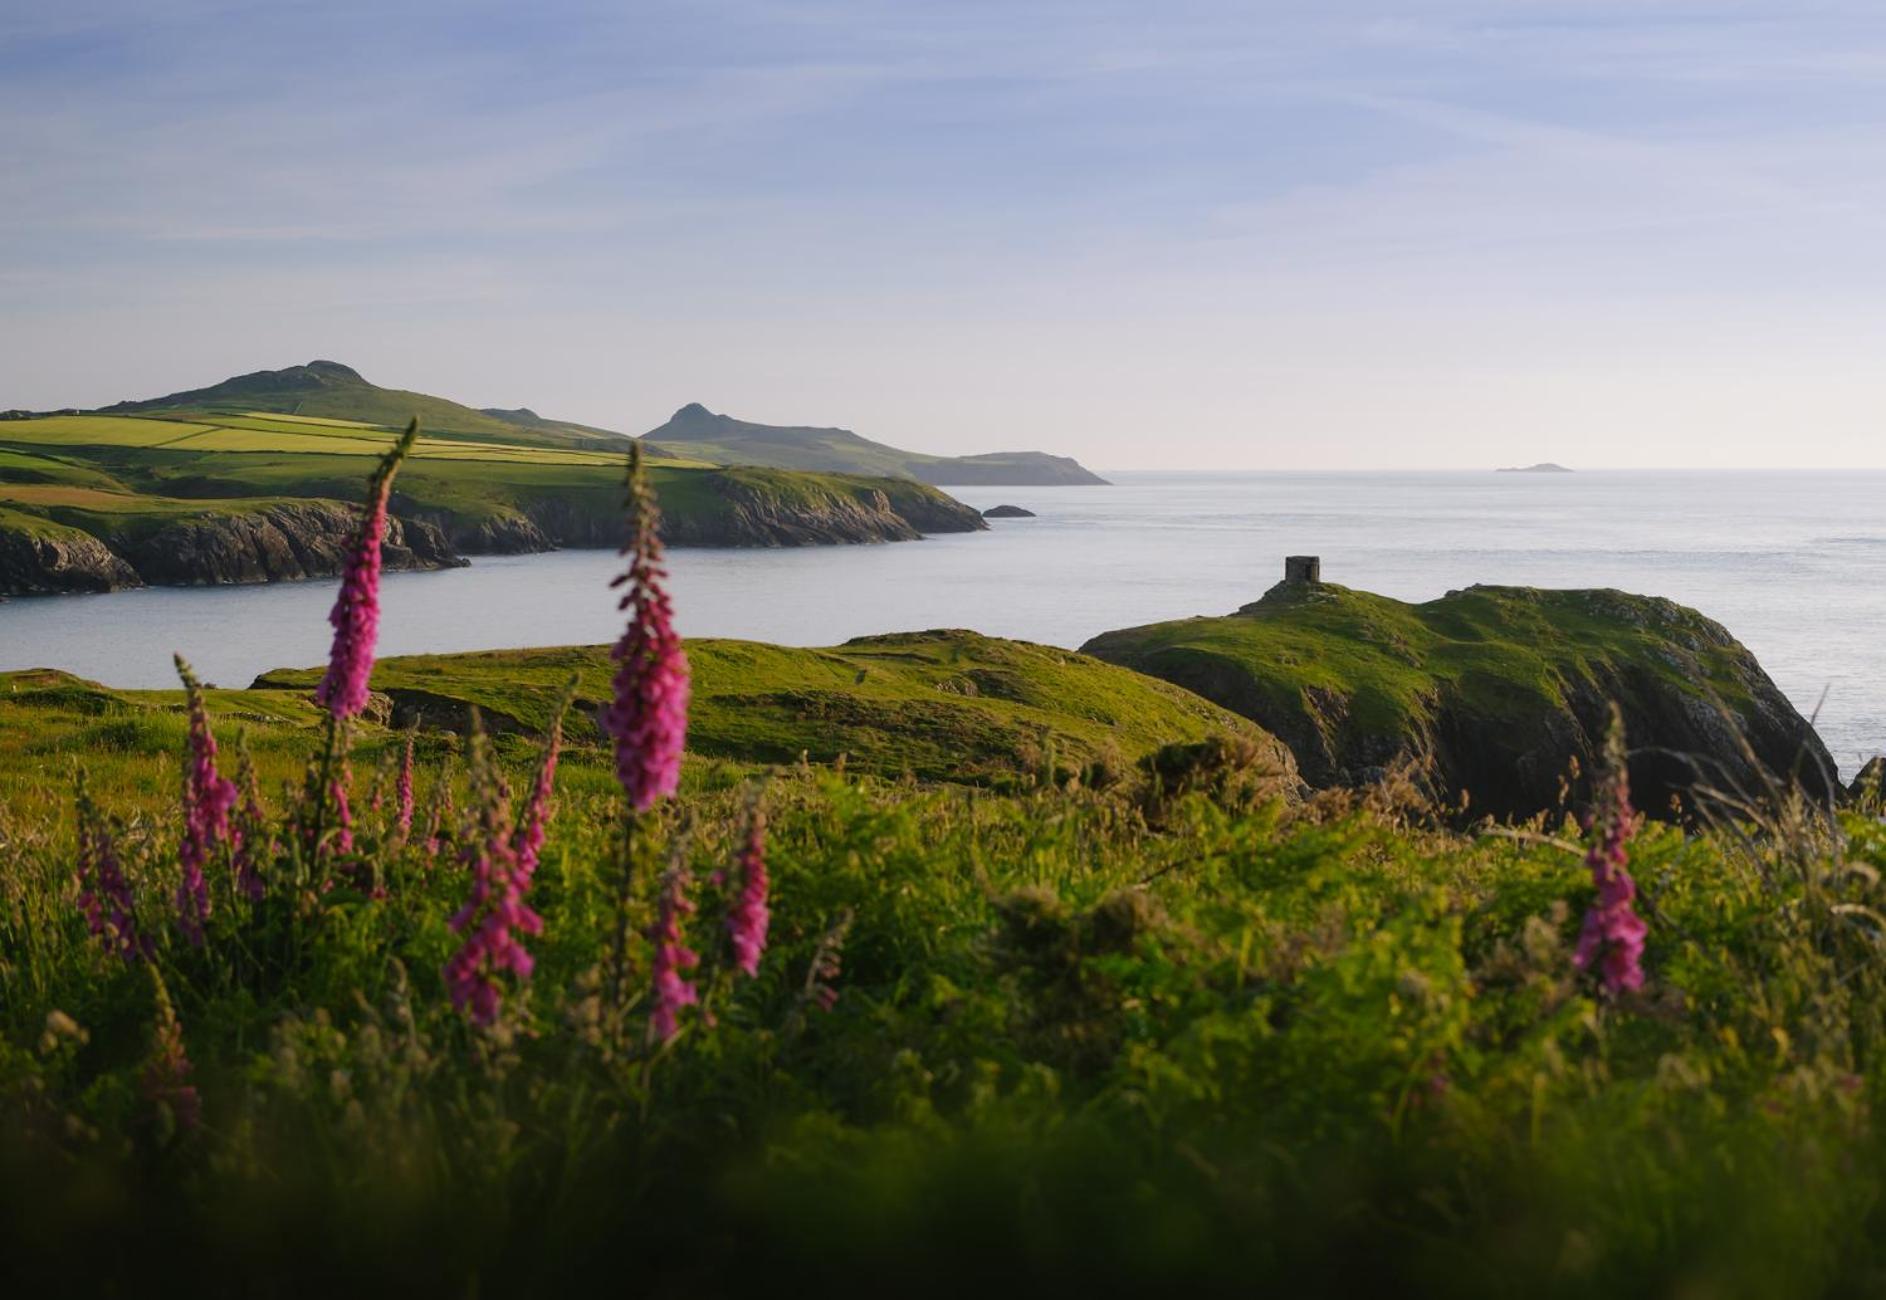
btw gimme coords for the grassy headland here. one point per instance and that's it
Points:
(91, 502)
(1495, 691)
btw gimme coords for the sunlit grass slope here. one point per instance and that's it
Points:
(942, 705)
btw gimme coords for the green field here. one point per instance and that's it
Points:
(526, 491)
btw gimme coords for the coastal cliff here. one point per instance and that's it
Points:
(38, 557)
(279, 542)
(1498, 694)
(115, 540)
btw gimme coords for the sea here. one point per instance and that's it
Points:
(1792, 562)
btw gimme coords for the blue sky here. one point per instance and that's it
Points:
(1174, 234)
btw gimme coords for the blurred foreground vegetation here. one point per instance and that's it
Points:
(1173, 1031)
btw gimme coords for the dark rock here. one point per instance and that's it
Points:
(1007, 512)
(59, 560)
(292, 539)
(1869, 787)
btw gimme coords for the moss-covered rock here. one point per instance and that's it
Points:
(1498, 693)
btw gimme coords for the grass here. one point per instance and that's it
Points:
(80, 470)
(1074, 1046)
(1481, 686)
(947, 705)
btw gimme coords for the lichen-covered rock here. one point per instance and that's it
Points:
(1496, 695)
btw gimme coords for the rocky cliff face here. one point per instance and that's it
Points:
(309, 538)
(753, 516)
(291, 539)
(294, 539)
(1500, 694)
(55, 561)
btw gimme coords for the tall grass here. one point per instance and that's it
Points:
(1156, 1029)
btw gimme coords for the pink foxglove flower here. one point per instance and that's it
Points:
(253, 846)
(672, 990)
(747, 922)
(648, 717)
(208, 797)
(403, 814)
(343, 841)
(104, 893)
(356, 613)
(495, 914)
(1612, 937)
(529, 841)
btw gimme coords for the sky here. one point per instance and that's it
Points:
(1190, 234)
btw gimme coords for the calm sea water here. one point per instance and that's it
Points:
(1793, 563)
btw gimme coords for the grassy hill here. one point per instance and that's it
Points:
(941, 705)
(697, 432)
(1504, 693)
(327, 391)
(497, 488)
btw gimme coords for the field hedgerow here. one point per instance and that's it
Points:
(1166, 1033)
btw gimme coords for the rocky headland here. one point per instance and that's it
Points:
(1495, 697)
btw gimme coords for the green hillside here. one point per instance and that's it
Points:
(333, 391)
(121, 477)
(695, 431)
(942, 705)
(1501, 692)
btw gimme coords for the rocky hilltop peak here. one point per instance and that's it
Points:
(729, 441)
(328, 372)
(255, 386)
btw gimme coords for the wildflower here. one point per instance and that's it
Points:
(356, 613)
(529, 840)
(403, 790)
(253, 845)
(1613, 933)
(747, 922)
(104, 893)
(496, 913)
(648, 718)
(438, 824)
(821, 980)
(208, 797)
(165, 1079)
(671, 990)
(343, 841)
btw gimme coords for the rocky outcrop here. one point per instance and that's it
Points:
(1007, 512)
(291, 539)
(51, 560)
(1869, 787)
(1502, 695)
(755, 517)
(767, 508)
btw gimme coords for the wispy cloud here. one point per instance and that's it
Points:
(937, 220)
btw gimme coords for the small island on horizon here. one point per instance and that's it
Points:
(1543, 467)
